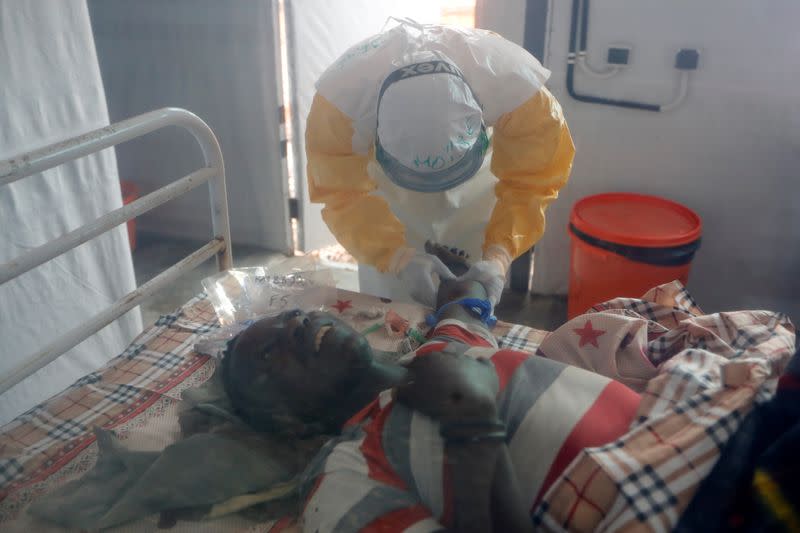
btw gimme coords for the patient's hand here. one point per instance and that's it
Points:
(451, 388)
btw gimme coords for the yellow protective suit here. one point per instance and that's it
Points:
(531, 149)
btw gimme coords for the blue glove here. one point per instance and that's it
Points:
(418, 276)
(482, 308)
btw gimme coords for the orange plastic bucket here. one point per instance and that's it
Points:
(130, 192)
(624, 244)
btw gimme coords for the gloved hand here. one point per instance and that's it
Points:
(491, 275)
(417, 274)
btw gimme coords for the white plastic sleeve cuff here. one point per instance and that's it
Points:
(499, 255)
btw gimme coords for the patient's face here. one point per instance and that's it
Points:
(302, 360)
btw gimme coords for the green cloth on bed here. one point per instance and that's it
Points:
(218, 459)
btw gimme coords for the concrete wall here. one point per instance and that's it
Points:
(731, 152)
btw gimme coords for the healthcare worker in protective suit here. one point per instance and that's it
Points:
(435, 133)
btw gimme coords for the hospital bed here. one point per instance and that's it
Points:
(52, 442)
(137, 393)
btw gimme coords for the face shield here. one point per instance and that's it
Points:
(430, 134)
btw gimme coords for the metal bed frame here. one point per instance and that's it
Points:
(58, 153)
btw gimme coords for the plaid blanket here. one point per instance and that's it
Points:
(136, 394)
(711, 371)
(755, 485)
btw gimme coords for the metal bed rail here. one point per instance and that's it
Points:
(58, 153)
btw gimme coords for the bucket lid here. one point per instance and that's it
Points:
(636, 220)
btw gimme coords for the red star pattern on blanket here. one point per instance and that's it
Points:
(341, 305)
(588, 335)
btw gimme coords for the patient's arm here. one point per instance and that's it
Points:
(459, 391)
(480, 507)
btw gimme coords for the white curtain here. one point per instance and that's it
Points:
(50, 89)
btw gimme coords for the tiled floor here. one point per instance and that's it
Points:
(155, 254)
(535, 310)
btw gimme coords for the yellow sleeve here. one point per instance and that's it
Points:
(337, 177)
(532, 160)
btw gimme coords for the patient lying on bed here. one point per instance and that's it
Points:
(462, 435)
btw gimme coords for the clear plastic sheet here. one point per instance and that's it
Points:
(243, 295)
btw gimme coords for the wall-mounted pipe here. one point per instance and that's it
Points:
(581, 59)
(683, 90)
(583, 63)
(578, 37)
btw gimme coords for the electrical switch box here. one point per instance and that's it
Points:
(618, 55)
(687, 59)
